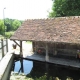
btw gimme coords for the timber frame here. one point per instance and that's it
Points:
(53, 36)
(20, 45)
(52, 49)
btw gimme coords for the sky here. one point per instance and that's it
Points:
(25, 9)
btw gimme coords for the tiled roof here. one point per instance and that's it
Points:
(60, 29)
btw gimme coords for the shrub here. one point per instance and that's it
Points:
(8, 34)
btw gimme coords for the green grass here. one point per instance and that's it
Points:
(28, 42)
(1, 37)
(8, 34)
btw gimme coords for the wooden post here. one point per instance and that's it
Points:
(55, 50)
(47, 56)
(35, 47)
(21, 49)
(7, 45)
(21, 53)
(2, 45)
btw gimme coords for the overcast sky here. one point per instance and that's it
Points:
(25, 9)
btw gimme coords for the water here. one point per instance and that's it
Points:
(38, 69)
(27, 66)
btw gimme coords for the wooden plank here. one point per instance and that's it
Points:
(4, 43)
(36, 57)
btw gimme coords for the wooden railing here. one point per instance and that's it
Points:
(3, 46)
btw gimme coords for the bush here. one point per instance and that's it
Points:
(8, 34)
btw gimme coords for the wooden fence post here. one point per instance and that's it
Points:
(6, 44)
(2, 45)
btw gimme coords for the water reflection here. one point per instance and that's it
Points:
(27, 66)
(37, 69)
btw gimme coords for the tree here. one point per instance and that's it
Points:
(65, 8)
(8, 24)
(16, 24)
(1, 26)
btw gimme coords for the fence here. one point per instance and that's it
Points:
(3, 47)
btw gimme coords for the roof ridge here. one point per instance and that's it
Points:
(66, 17)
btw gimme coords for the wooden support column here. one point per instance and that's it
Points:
(6, 44)
(21, 54)
(55, 50)
(21, 49)
(47, 55)
(35, 47)
(2, 44)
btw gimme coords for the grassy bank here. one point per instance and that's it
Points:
(8, 34)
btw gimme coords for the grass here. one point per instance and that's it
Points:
(9, 34)
(28, 42)
(1, 37)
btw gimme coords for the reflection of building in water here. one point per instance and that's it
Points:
(50, 70)
(23, 65)
(37, 69)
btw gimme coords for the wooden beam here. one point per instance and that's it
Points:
(47, 55)
(21, 48)
(16, 43)
(35, 47)
(6, 44)
(55, 50)
(2, 44)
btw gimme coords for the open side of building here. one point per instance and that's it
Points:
(52, 36)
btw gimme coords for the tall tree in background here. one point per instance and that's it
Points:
(65, 8)
(1, 26)
(8, 24)
(16, 24)
(12, 24)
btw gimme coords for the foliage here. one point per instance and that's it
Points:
(1, 26)
(1, 37)
(8, 34)
(12, 24)
(22, 76)
(28, 42)
(65, 8)
(42, 78)
(8, 24)
(16, 24)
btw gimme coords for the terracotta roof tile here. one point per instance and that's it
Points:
(60, 29)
